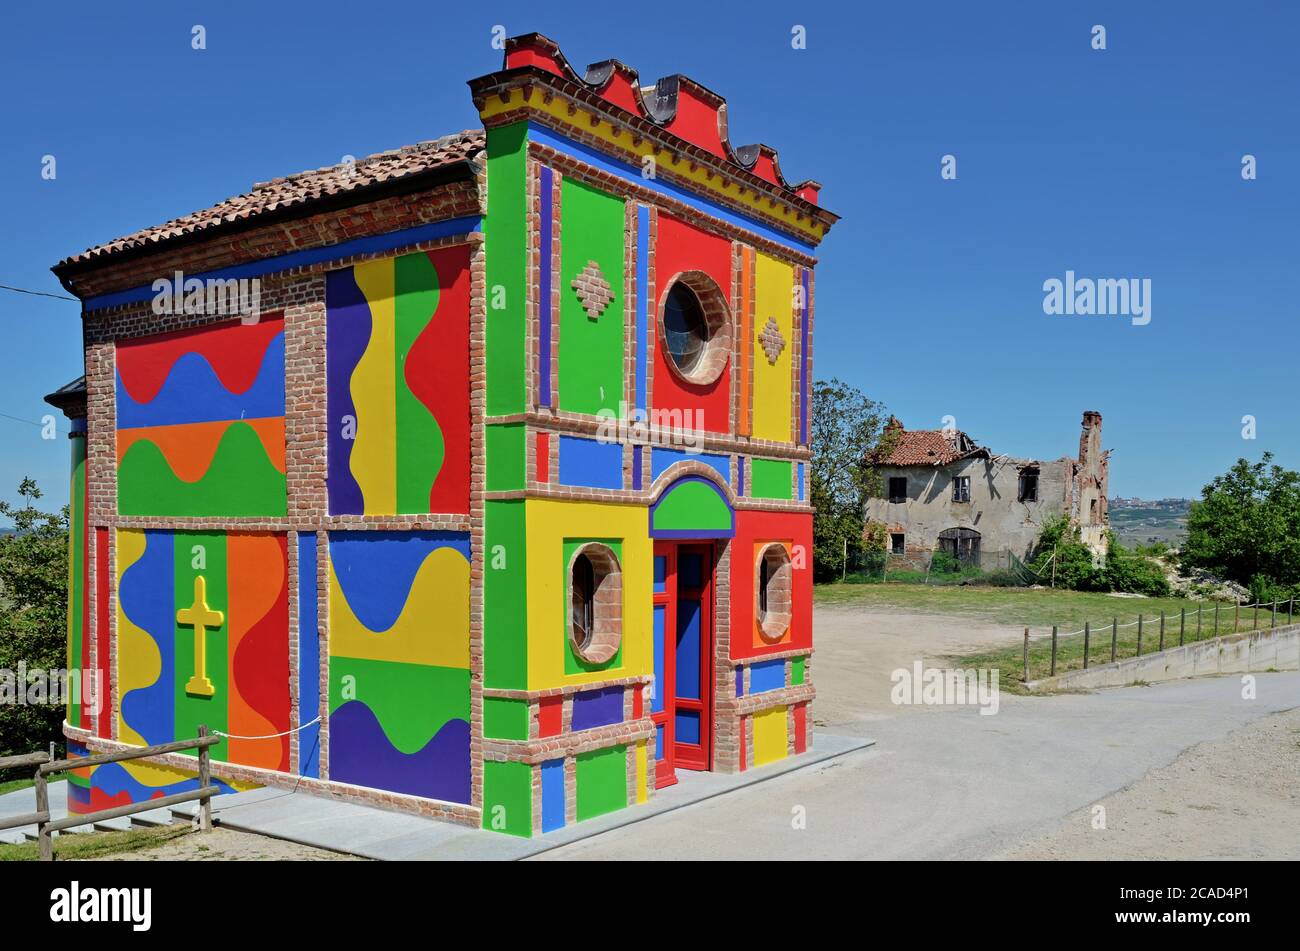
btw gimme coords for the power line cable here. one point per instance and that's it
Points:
(23, 290)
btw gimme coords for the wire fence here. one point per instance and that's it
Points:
(1048, 653)
(992, 568)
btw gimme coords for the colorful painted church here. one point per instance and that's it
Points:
(469, 479)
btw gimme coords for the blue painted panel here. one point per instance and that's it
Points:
(590, 463)
(308, 658)
(537, 133)
(663, 459)
(374, 244)
(690, 570)
(657, 701)
(768, 675)
(688, 726)
(799, 468)
(661, 573)
(740, 682)
(659, 742)
(552, 795)
(688, 649)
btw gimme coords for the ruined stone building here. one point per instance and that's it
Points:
(944, 492)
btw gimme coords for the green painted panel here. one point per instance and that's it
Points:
(505, 606)
(77, 569)
(692, 505)
(601, 782)
(420, 447)
(796, 671)
(508, 798)
(573, 664)
(505, 235)
(592, 228)
(771, 479)
(412, 702)
(202, 553)
(505, 719)
(506, 464)
(241, 480)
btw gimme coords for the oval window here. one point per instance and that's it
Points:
(686, 333)
(695, 328)
(773, 592)
(595, 604)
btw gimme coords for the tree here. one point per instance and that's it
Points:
(846, 428)
(33, 613)
(1246, 527)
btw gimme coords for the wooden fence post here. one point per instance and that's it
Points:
(1025, 677)
(1198, 622)
(1139, 653)
(1053, 650)
(1272, 616)
(1182, 625)
(1087, 634)
(1236, 615)
(1162, 630)
(205, 778)
(45, 841)
(1254, 620)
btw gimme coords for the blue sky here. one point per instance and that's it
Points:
(1114, 164)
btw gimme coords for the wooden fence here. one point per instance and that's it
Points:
(45, 767)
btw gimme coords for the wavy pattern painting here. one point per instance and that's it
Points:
(399, 662)
(397, 335)
(246, 576)
(200, 422)
(118, 784)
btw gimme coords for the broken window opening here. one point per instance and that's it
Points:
(961, 488)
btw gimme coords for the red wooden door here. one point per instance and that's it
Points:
(681, 706)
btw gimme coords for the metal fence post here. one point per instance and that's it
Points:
(1087, 634)
(1053, 650)
(205, 779)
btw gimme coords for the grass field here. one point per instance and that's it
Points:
(93, 845)
(11, 785)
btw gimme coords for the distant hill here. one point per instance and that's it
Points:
(1142, 522)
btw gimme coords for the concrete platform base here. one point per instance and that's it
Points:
(377, 834)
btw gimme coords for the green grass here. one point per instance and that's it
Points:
(96, 844)
(13, 784)
(1070, 650)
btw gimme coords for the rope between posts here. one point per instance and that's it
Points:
(269, 736)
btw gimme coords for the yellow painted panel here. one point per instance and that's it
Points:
(138, 662)
(641, 771)
(773, 382)
(549, 523)
(769, 736)
(705, 180)
(374, 452)
(432, 629)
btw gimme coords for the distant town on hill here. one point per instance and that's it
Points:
(1146, 521)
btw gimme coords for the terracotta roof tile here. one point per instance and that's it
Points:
(927, 447)
(302, 189)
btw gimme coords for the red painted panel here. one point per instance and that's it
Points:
(681, 247)
(550, 716)
(105, 722)
(752, 528)
(543, 457)
(636, 702)
(801, 728)
(437, 372)
(233, 350)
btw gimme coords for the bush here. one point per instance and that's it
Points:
(1134, 572)
(1075, 567)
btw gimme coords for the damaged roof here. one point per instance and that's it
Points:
(299, 193)
(925, 447)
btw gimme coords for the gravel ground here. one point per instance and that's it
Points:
(1234, 798)
(227, 845)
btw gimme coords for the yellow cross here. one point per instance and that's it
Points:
(202, 617)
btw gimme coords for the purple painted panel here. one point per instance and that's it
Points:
(347, 332)
(544, 289)
(360, 753)
(593, 708)
(803, 375)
